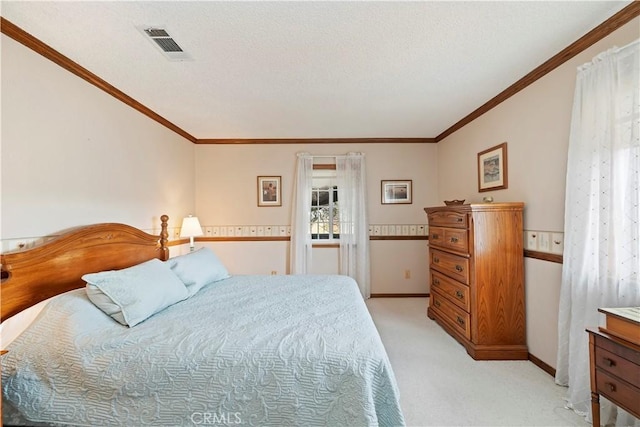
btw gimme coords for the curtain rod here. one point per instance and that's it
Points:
(330, 156)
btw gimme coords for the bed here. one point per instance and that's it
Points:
(237, 350)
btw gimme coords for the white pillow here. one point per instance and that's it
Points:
(133, 294)
(198, 268)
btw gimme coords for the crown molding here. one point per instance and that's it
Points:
(18, 34)
(604, 29)
(598, 33)
(318, 141)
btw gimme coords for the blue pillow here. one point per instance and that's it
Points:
(133, 294)
(198, 268)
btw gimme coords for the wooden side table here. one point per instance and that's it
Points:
(615, 373)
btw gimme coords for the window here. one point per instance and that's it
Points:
(325, 222)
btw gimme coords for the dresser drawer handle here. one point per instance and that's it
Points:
(436, 259)
(459, 268)
(454, 240)
(460, 321)
(437, 303)
(434, 236)
(609, 362)
(459, 219)
(436, 281)
(611, 386)
(459, 294)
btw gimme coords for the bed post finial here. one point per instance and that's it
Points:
(164, 237)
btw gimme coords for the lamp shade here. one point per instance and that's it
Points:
(190, 227)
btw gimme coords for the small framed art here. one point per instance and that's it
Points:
(492, 168)
(396, 191)
(269, 193)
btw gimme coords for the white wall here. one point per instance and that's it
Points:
(226, 178)
(73, 155)
(535, 124)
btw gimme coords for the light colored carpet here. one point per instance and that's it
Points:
(441, 385)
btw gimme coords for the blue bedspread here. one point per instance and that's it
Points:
(248, 350)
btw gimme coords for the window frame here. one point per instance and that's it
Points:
(332, 241)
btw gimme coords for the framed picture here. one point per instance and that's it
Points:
(269, 191)
(396, 191)
(492, 168)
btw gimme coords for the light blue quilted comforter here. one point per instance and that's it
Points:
(248, 350)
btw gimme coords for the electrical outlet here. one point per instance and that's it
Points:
(274, 272)
(407, 274)
(544, 242)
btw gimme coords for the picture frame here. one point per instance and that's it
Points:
(269, 191)
(492, 168)
(396, 191)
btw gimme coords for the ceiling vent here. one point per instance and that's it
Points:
(167, 45)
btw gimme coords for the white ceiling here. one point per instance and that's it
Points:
(306, 69)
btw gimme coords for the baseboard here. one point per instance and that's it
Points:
(540, 364)
(400, 295)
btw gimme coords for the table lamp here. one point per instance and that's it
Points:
(191, 228)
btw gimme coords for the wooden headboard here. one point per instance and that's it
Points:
(57, 266)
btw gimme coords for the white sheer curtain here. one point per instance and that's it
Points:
(602, 239)
(354, 222)
(300, 252)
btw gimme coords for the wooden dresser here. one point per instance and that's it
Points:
(614, 353)
(476, 265)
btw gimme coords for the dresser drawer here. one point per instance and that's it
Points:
(448, 219)
(614, 347)
(455, 291)
(449, 264)
(618, 391)
(455, 239)
(452, 314)
(615, 365)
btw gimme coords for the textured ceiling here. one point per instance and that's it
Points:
(338, 69)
